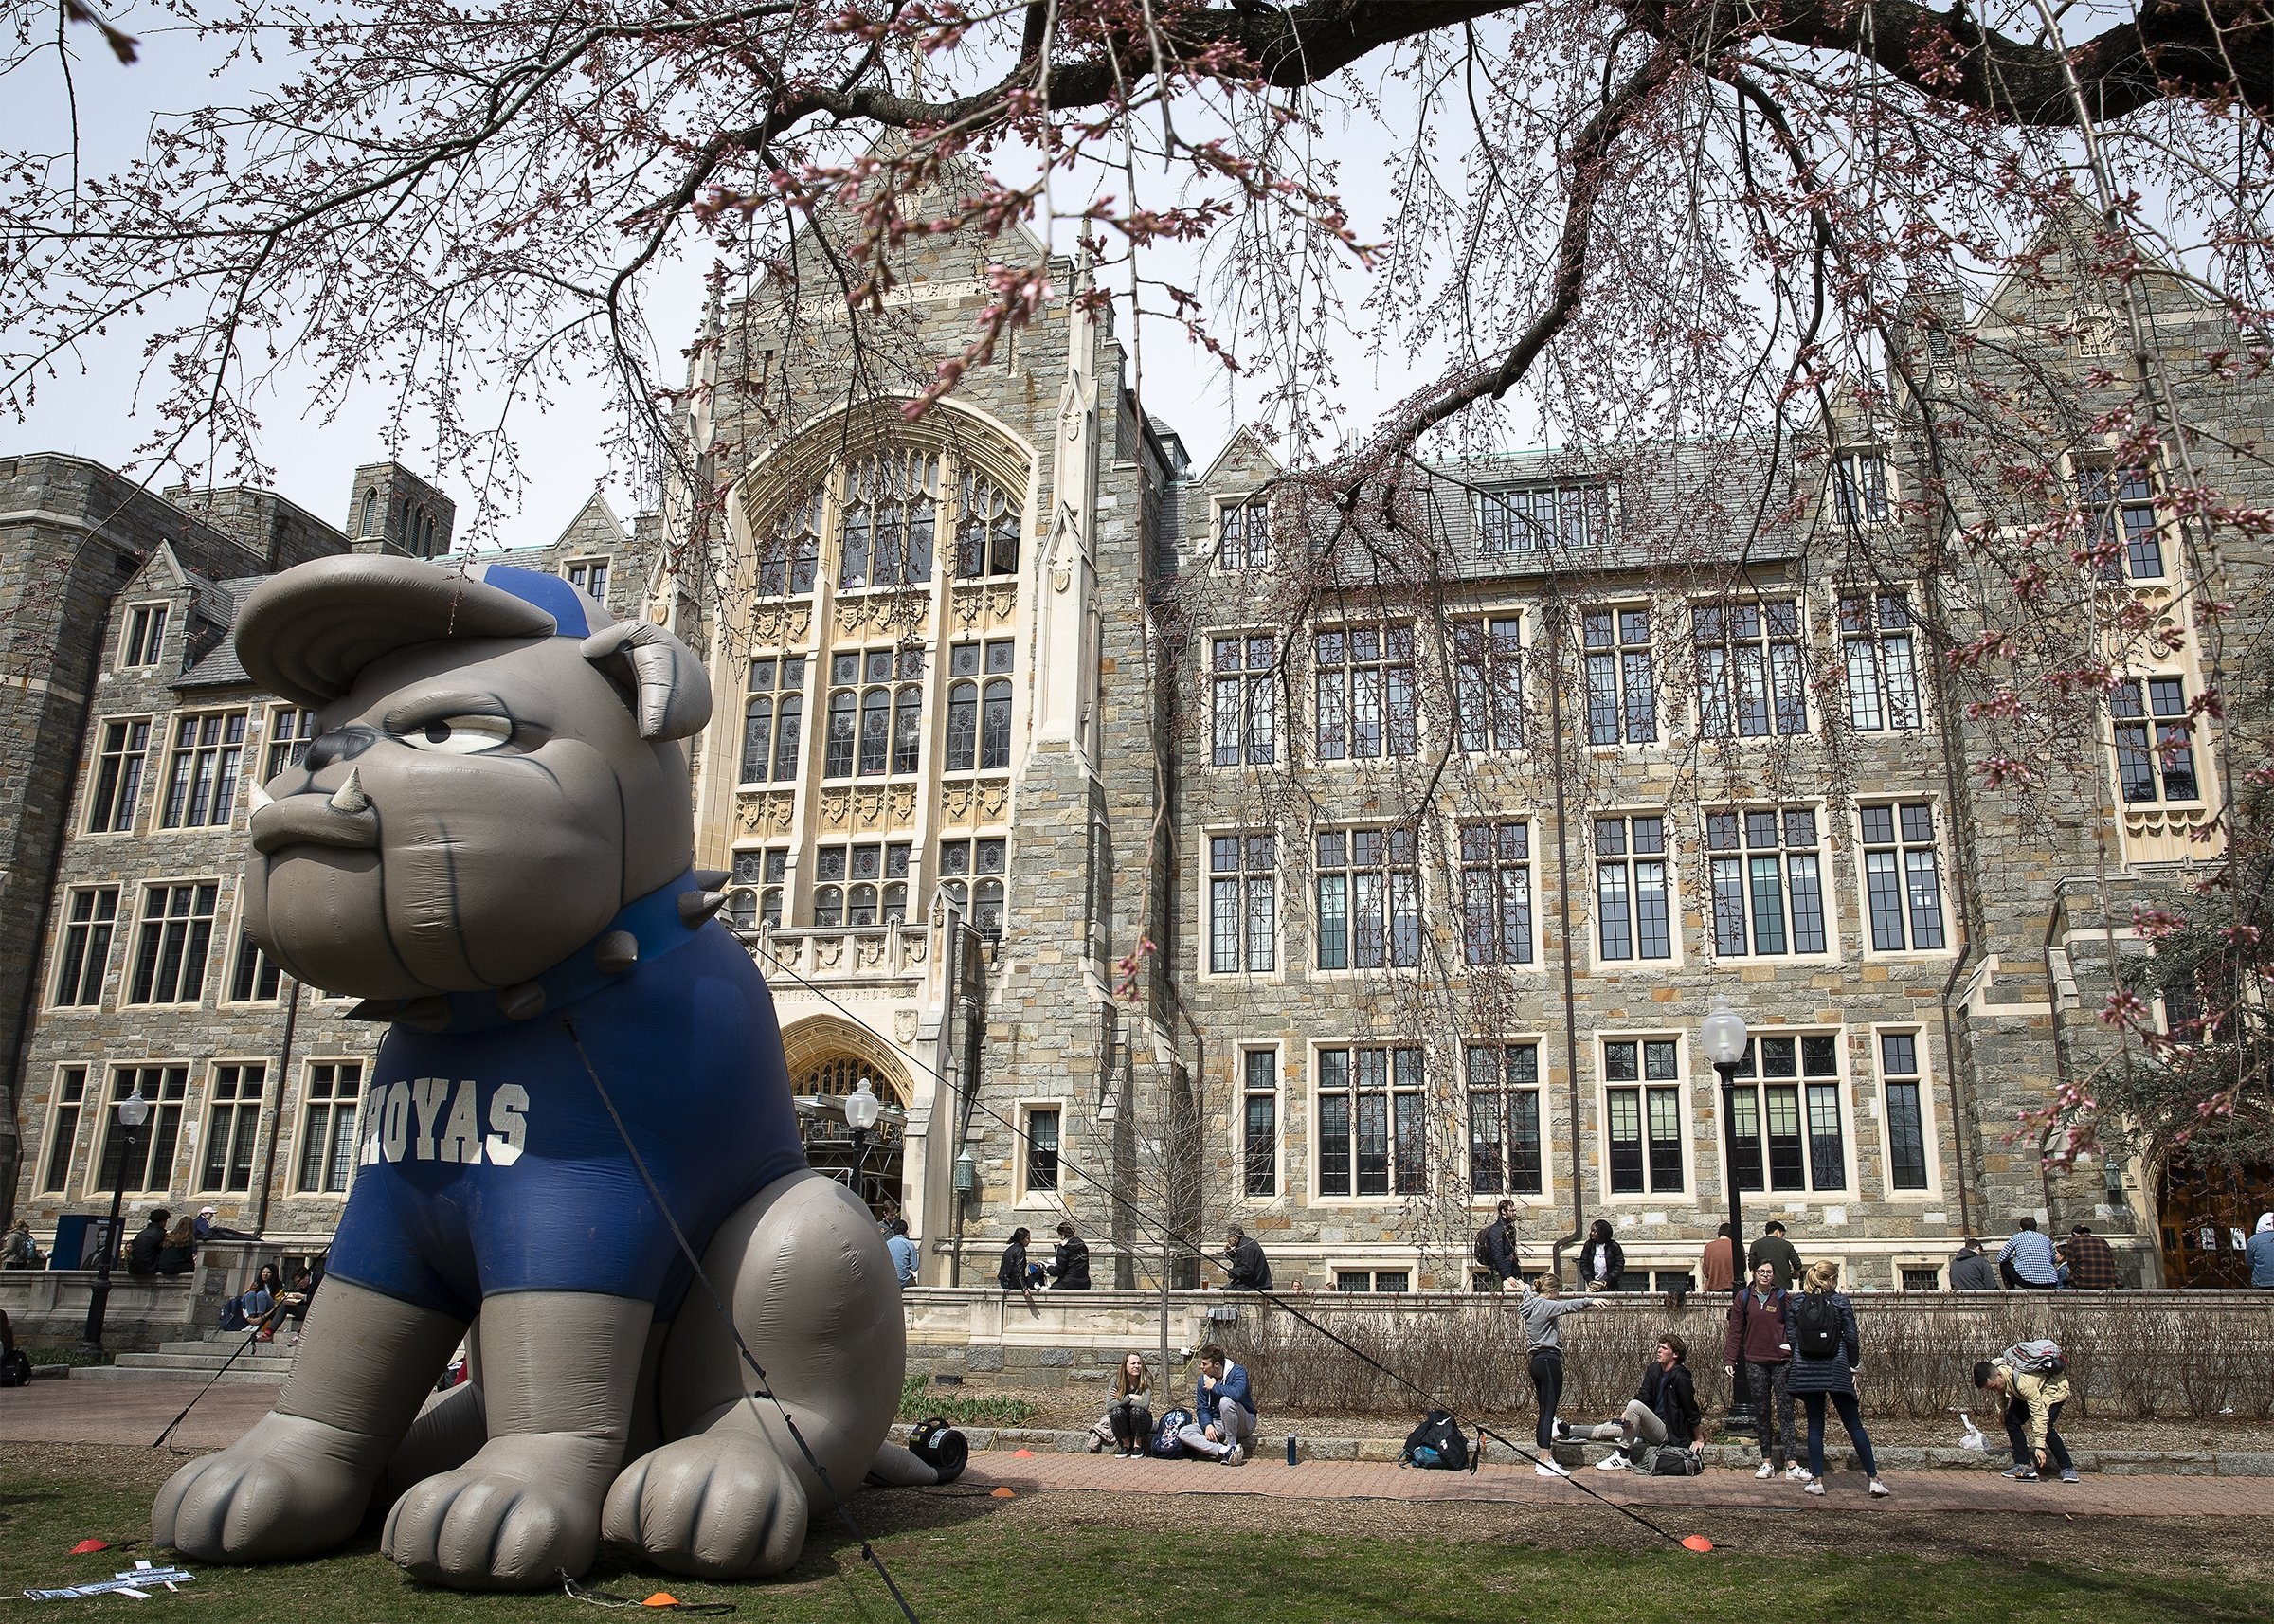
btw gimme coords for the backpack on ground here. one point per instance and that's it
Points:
(1673, 1460)
(1167, 1444)
(1436, 1444)
(15, 1369)
(1817, 1321)
(2042, 1357)
(940, 1447)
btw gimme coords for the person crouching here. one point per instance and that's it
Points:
(1223, 1409)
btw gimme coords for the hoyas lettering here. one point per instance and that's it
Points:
(423, 1119)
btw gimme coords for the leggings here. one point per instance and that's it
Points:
(1132, 1420)
(1548, 1389)
(1850, 1417)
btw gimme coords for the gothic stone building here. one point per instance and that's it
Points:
(1147, 869)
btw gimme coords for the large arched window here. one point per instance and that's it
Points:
(790, 555)
(885, 512)
(987, 530)
(891, 507)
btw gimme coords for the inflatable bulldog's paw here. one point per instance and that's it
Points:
(289, 1488)
(515, 1517)
(719, 1504)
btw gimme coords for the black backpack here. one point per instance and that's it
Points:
(1166, 1446)
(1818, 1324)
(1673, 1460)
(940, 1447)
(1485, 1259)
(1436, 1444)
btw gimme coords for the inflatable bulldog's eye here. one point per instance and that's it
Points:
(460, 735)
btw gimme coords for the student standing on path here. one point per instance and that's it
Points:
(1780, 1253)
(1826, 1351)
(1757, 1357)
(2033, 1408)
(1541, 1308)
(1717, 1264)
(2261, 1254)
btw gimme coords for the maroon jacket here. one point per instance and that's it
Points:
(1757, 1330)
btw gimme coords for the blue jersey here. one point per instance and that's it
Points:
(488, 1162)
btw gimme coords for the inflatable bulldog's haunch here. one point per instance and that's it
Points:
(488, 843)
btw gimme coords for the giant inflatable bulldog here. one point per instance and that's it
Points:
(489, 844)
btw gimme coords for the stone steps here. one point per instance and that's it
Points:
(207, 1356)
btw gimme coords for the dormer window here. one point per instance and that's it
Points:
(1859, 484)
(1532, 518)
(145, 637)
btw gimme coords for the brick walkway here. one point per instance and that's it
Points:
(118, 1412)
(71, 1411)
(1941, 1490)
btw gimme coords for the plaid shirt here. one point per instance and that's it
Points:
(2091, 1265)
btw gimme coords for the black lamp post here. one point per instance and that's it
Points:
(133, 1111)
(1722, 1037)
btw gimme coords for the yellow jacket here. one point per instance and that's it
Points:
(2040, 1393)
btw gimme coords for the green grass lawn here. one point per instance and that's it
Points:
(1092, 1558)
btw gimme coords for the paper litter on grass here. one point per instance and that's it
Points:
(136, 1583)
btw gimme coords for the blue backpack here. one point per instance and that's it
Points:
(1165, 1443)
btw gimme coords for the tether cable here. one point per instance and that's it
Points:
(251, 1336)
(766, 1391)
(1161, 1228)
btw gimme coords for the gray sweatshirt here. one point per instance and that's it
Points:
(1541, 1315)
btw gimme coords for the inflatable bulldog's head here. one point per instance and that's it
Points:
(495, 774)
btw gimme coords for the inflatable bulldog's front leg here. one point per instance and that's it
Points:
(812, 1290)
(299, 1481)
(558, 1369)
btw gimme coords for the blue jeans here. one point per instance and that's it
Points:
(1850, 1417)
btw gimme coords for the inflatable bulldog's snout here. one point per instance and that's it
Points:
(488, 843)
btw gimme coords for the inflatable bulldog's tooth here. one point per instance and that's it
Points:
(489, 844)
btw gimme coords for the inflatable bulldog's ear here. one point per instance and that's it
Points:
(672, 696)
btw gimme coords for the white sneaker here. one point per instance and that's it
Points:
(1816, 1486)
(1767, 1470)
(1795, 1473)
(1549, 1469)
(1611, 1463)
(1879, 1489)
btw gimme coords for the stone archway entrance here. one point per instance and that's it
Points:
(2204, 1216)
(827, 1056)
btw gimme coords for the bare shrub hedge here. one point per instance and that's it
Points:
(2141, 1354)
